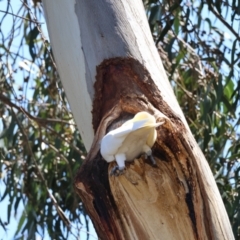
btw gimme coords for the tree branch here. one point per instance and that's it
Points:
(7, 101)
(40, 121)
(223, 21)
(15, 15)
(54, 201)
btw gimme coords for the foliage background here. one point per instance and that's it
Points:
(40, 147)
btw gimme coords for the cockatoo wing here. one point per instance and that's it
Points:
(128, 127)
(113, 140)
(133, 144)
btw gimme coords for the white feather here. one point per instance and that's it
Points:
(127, 142)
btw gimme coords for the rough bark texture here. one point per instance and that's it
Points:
(169, 201)
(177, 200)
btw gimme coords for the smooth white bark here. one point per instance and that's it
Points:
(65, 36)
(82, 35)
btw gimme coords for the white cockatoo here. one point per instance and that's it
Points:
(134, 137)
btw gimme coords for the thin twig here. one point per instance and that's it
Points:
(44, 40)
(40, 121)
(15, 15)
(224, 22)
(59, 154)
(63, 139)
(199, 68)
(58, 208)
(41, 33)
(36, 119)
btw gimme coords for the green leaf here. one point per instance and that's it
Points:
(32, 35)
(228, 90)
(176, 23)
(20, 223)
(154, 12)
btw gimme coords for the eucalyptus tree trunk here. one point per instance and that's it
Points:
(110, 70)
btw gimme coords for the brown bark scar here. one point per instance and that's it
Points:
(124, 87)
(119, 78)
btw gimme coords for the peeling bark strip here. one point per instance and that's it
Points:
(170, 201)
(93, 187)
